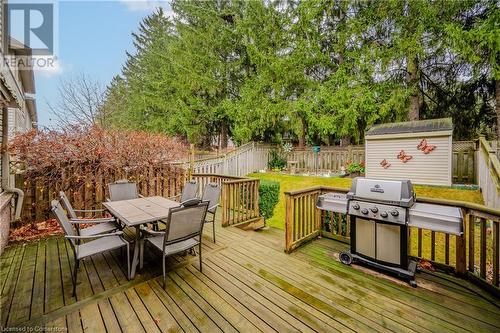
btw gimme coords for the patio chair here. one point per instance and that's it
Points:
(189, 191)
(102, 225)
(96, 243)
(211, 193)
(123, 190)
(183, 231)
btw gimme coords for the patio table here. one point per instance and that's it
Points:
(136, 212)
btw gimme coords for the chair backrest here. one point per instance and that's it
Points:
(190, 190)
(211, 193)
(185, 222)
(63, 220)
(67, 205)
(122, 190)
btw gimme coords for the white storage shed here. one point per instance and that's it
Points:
(417, 150)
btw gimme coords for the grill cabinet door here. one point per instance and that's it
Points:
(389, 243)
(365, 237)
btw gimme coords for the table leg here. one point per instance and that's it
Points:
(135, 259)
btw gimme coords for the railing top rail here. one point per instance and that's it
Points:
(445, 202)
(243, 180)
(317, 188)
(218, 175)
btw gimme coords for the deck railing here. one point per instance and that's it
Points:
(239, 199)
(475, 254)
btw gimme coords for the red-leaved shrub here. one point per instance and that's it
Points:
(79, 152)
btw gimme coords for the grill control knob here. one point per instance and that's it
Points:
(355, 206)
(374, 209)
(364, 211)
(384, 214)
(394, 213)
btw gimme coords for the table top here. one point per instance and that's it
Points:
(138, 211)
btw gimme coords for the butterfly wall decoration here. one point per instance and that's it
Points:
(403, 156)
(425, 147)
(385, 164)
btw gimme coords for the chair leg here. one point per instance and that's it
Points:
(77, 265)
(164, 274)
(200, 257)
(141, 254)
(128, 263)
(213, 227)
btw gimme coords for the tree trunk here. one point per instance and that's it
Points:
(224, 135)
(302, 136)
(497, 106)
(412, 80)
(345, 141)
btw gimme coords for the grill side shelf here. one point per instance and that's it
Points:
(436, 218)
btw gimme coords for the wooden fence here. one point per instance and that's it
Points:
(333, 158)
(329, 158)
(475, 254)
(254, 156)
(239, 197)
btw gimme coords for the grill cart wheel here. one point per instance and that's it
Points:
(413, 283)
(345, 257)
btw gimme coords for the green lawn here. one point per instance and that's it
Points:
(289, 183)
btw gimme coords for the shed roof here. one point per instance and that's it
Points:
(428, 125)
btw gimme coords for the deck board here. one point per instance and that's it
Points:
(248, 284)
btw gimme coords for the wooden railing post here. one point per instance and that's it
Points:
(496, 252)
(225, 204)
(461, 254)
(288, 222)
(470, 224)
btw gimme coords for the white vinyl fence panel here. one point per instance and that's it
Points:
(246, 159)
(488, 168)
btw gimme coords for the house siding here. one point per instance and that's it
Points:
(429, 169)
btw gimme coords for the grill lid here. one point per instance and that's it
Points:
(394, 192)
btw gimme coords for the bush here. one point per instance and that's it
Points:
(276, 160)
(77, 153)
(355, 168)
(269, 192)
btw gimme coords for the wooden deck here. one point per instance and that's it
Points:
(248, 284)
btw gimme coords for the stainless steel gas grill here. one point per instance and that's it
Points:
(381, 212)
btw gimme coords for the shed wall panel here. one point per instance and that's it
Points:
(431, 169)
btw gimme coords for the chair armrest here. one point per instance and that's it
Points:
(88, 210)
(118, 233)
(214, 206)
(152, 232)
(175, 196)
(93, 221)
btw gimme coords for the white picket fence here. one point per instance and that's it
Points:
(243, 160)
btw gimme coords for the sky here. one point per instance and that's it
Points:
(93, 38)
